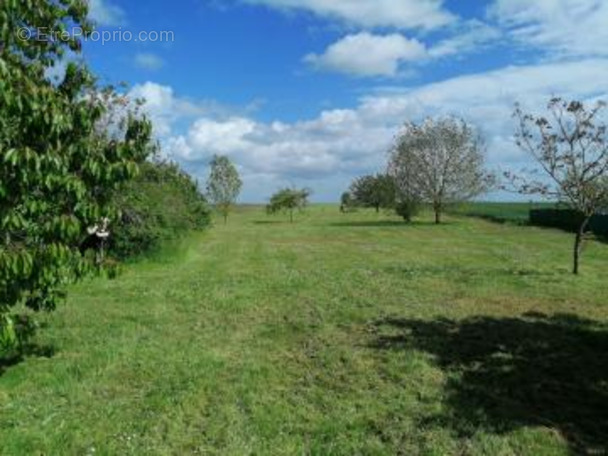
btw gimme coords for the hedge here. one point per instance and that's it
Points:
(161, 204)
(568, 220)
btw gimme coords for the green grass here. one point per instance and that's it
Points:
(337, 335)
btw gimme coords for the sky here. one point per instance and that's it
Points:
(312, 92)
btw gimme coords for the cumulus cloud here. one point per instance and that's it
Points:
(346, 142)
(369, 55)
(148, 61)
(165, 108)
(365, 54)
(105, 13)
(565, 27)
(403, 14)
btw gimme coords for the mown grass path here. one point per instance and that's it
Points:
(339, 334)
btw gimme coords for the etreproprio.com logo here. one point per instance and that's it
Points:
(97, 36)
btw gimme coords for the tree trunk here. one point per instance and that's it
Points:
(437, 209)
(578, 244)
(225, 218)
(291, 215)
(377, 209)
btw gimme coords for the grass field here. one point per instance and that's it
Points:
(337, 335)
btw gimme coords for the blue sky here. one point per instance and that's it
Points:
(312, 92)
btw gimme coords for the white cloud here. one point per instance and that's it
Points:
(160, 105)
(149, 61)
(473, 36)
(368, 55)
(346, 142)
(365, 54)
(566, 27)
(105, 13)
(165, 109)
(405, 14)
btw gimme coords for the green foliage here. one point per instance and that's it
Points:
(57, 171)
(499, 212)
(52, 18)
(407, 208)
(377, 191)
(288, 200)
(569, 220)
(160, 204)
(224, 185)
(347, 202)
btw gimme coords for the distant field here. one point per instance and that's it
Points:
(500, 212)
(340, 334)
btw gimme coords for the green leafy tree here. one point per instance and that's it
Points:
(224, 185)
(288, 200)
(57, 171)
(377, 191)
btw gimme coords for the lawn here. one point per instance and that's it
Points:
(339, 334)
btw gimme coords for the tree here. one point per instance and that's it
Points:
(571, 147)
(57, 171)
(438, 162)
(377, 191)
(288, 200)
(224, 185)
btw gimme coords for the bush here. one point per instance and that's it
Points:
(347, 203)
(407, 209)
(159, 205)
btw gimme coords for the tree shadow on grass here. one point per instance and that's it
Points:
(26, 328)
(269, 222)
(507, 373)
(385, 224)
(18, 356)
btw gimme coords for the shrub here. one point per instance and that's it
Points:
(159, 205)
(347, 203)
(407, 209)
